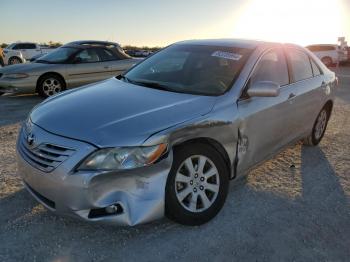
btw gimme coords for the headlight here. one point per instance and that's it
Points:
(123, 158)
(16, 76)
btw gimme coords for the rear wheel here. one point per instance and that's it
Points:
(50, 85)
(319, 128)
(197, 185)
(14, 61)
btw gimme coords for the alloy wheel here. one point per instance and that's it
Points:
(197, 183)
(321, 124)
(51, 86)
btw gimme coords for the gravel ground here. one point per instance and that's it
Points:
(294, 207)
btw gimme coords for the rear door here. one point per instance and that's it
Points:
(87, 67)
(112, 64)
(308, 83)
(264, 126)
(28, 50)
(32, 50)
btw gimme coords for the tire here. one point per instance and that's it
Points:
(50, 84)
(327, 61)
(14, 60)
(319, 128)
(212, 187)
(1, 93)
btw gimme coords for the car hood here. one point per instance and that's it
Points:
(27, 68)
(115, 113)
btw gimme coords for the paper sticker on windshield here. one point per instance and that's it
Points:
(227, 55)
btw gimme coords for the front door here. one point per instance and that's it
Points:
(87, 67)
(263, 128)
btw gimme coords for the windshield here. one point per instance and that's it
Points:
(10, 46)
(195, 69)
(60, 55)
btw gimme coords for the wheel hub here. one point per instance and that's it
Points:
(51, 86)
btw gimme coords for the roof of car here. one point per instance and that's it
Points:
(86, 46)
(92, 42)
(322, 45)
(244, 43)
(241, 43)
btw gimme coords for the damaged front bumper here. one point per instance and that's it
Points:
(123, 198)
(18, 86)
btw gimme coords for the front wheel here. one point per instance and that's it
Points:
(319, 128)
(197, 185)
(50, 85)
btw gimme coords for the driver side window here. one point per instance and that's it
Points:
(88, 56)
(272, 67)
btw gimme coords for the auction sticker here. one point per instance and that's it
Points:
(227, 55)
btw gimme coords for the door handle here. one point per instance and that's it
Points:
(106, 67)
(291, 95)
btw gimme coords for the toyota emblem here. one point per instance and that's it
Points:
(30, 139)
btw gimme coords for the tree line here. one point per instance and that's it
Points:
(125, 47)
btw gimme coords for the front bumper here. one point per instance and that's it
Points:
(140, 192)
(22, 85)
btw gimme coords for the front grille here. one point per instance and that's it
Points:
(45, 157)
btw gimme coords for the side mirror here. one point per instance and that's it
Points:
(264, 89)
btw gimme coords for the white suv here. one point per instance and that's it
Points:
(329, 54)
(17, 53)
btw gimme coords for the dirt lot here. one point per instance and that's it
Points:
(278, 213)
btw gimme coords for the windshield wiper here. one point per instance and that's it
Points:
(151, 84)
(42, 61)
(119, 77)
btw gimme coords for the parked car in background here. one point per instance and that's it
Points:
(131, 52)
(348, 52)
(328, 53)
(17, 53)
(1, 57)
(143, 53)
(139, 53)
(167, 136)
(68, 66)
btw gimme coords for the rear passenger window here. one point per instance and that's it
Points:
(300, 63)
(107, 55)
(272, 67)
(315, 69)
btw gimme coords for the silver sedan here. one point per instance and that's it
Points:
(169, 135)
(69, 66)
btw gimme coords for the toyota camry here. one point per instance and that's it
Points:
(168, 136)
